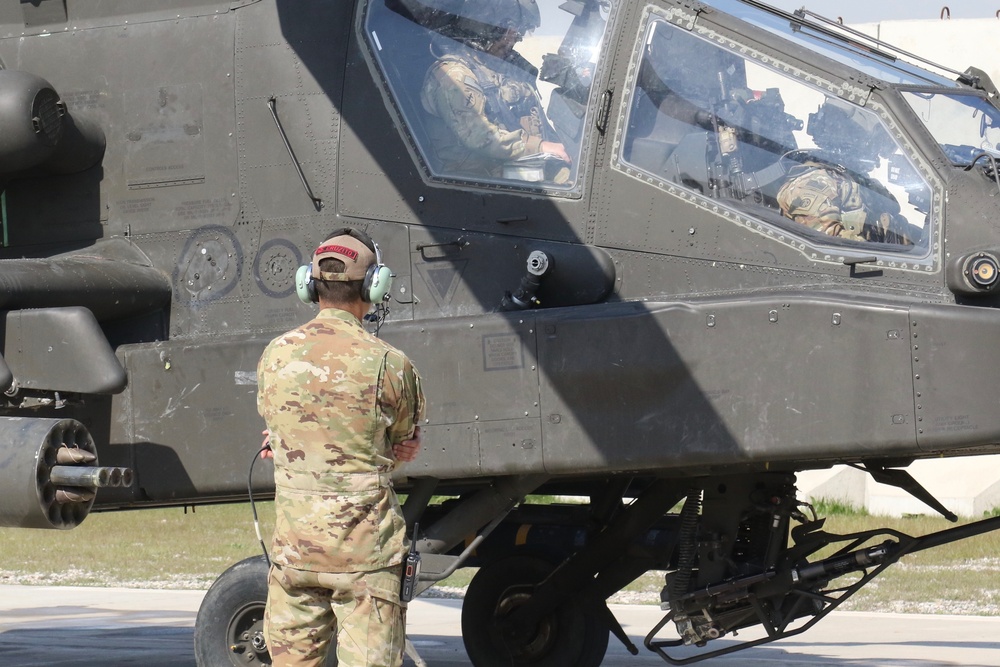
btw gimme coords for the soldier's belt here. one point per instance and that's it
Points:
(352, 482)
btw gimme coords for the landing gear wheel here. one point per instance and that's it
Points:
(229, 630)
(574, 635)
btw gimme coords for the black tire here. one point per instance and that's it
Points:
(574, 635)
(229, 629)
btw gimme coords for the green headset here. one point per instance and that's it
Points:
(375, 286)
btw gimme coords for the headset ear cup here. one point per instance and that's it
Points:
(304, 285)
(378, 282)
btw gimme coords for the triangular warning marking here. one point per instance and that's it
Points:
(442, 279)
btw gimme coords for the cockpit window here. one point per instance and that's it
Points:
(492, 92)
(733, 129)
(965, 126)
(844, 49)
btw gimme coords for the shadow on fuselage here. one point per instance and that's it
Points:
(613, 393)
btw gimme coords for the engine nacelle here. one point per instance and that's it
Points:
(49, 474)
(36, 130)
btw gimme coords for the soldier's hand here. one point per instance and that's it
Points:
(407, 450)
(265, 446)
(556, 149)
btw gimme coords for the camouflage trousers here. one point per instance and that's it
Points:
(306, 609)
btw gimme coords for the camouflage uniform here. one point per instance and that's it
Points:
(831, 200)
(336, 399)
(482, 117)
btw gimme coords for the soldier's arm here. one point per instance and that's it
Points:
(407, 398)
(404, 433)
(265, 446)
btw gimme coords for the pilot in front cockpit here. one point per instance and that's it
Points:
(485, 114)
(728, 127)
(829, 190)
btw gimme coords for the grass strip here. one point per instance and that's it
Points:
(187, 549)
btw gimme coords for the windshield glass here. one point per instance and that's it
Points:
(887, 69)
(713, 121)
(963, 125)
(492, 92)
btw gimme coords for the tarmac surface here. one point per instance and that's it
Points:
(72, 627)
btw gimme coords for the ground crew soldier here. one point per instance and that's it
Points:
(481, 96)
(341, 407)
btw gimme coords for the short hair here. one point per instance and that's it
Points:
(333, 291)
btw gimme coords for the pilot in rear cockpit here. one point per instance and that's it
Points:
(485, 115)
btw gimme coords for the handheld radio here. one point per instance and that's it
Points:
(411, 569)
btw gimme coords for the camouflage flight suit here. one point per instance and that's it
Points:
(830, 200)
(336, 399)
(482, 117)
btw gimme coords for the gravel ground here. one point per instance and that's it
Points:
(76, 577)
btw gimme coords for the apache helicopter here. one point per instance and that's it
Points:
(765, 244)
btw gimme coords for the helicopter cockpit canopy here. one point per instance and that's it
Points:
(965, 125)
(772, 142)
(492, 93)
(829, 43)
